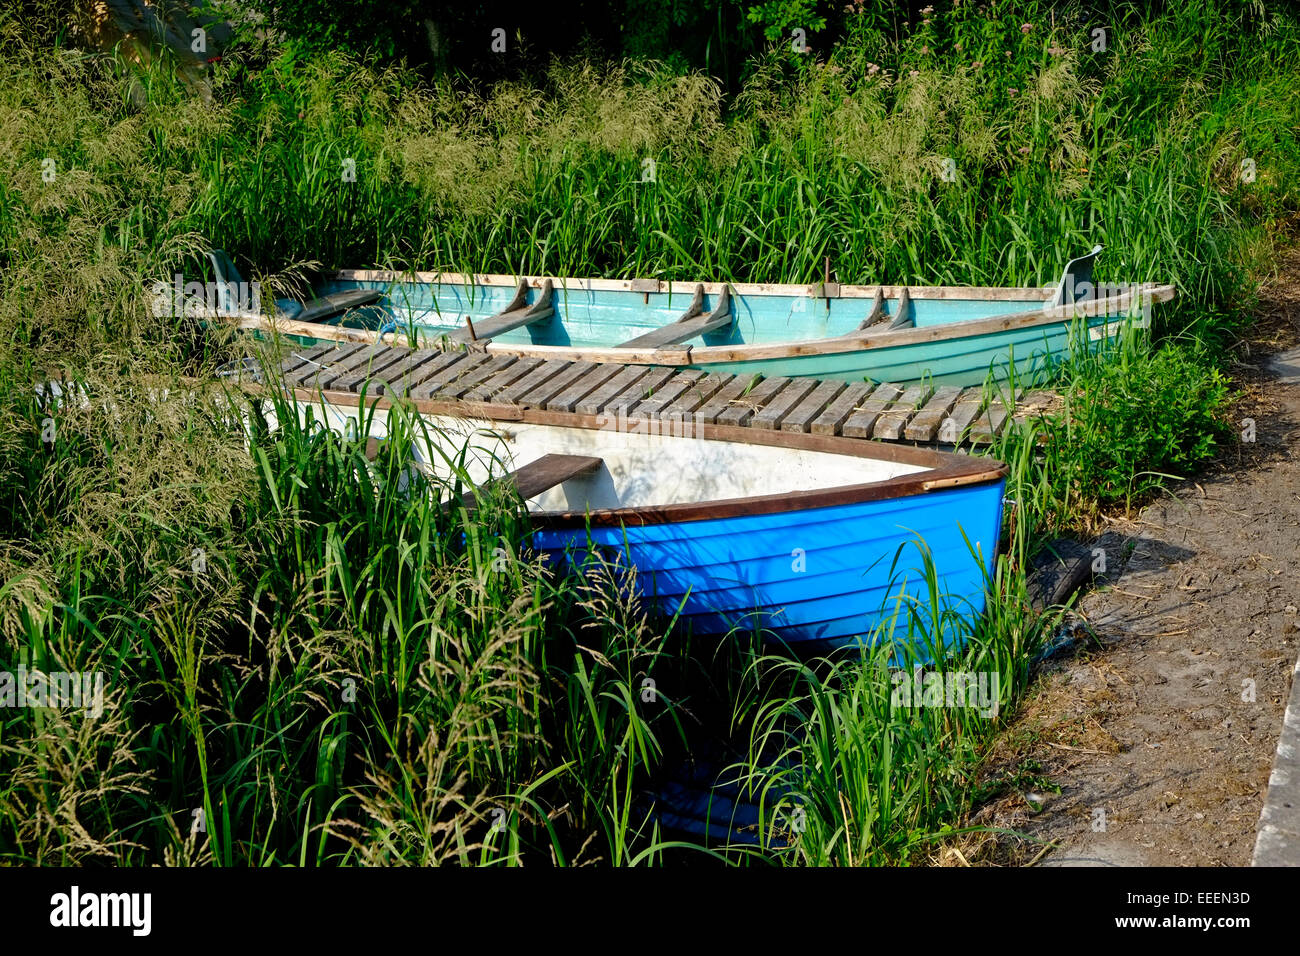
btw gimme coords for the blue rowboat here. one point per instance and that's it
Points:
(951, 335)
(820, 540)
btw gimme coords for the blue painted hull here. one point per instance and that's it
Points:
(829, 576)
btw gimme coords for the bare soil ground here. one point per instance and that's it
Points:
(1151, 743)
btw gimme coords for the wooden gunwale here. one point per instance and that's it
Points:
(860, 340)
(946, 470)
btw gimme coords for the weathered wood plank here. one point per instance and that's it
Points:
(319, 359)
(517, 313)
(925, 423)
(1034, 405)
(460, 386)
(390, 383)
(774, 412)
(892, 421)
(862, 422)
(692, 323)
(567, 400)
(837, 413)
(541, 475)
(695, 397)
(428, 386)
(491, 388)
(744, 407)
(989, 425)
(633, 395)
(708, 412)
(524, 389)
(422, 373)
(378, 365)
(595, 400)
(811, 405)
(301, 358)
(666, 393)
(335, 367)
(952, 430)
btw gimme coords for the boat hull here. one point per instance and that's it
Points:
(825, 577)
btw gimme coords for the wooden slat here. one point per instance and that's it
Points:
(544, 473)
(676, 385)
(426, 387)
(566, 400)
(862, 422)
(1033, 405)
(300, 358)
(891, 423)
(335, 367)
(517, 313)
(540, 395)
(394, 376)
(691, 324)
(877, 313)
(328, 306)
(532, 383)
(492, 387)
(774, 412)
(989, 425)
(697, 395)
(743, 408)
(370, 371)
(952, 430)
(423, 373)
(626, 400)
(707, 413)
(812, 405)
(463, 384)
(837, 413)
(320, 358)
(595, 400)
(925, 423)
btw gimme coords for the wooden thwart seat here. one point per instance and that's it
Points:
(693, 322)
(541, 475)
(879, 320)
(335, 303)
(517, 313)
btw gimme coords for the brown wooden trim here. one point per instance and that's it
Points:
(946, 470)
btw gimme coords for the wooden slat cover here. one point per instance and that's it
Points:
(595, 400)
(462, 385)
(862, 422)
(672, 389)
(565, 400)
(774, 412)
(837, 413)
(707, 413)
(541, 395)
(952, 430)
(490, 389)
(1033, 405)
(371, 370)
(813, 404)
(426, 387)
(426, 371)
(334, 366)
(630, 397)
(925, 423)
(300, 358)
(390, 384)
(699, 392)
(532, 383)
(746, 406)
(891, 423)
(322, 357)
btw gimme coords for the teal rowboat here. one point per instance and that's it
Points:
(951, 335)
